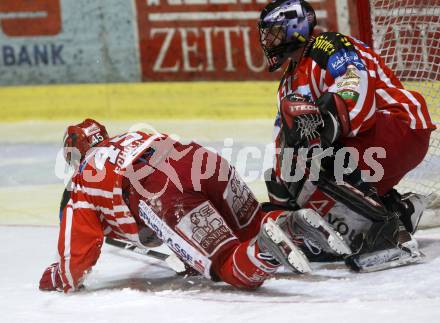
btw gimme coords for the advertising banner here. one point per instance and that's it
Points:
(108, 41)
(206, 39)
(65, 41)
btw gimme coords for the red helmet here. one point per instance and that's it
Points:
(79, 138)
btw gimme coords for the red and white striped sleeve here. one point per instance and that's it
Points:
(80, 240)
(391, 96)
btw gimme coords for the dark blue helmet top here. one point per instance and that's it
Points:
(285, 26)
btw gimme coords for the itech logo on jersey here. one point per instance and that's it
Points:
(338, 63)
(205, 227)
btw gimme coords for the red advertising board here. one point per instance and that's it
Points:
(206, 39)
(20, 18)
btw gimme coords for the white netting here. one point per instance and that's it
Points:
(407, 34)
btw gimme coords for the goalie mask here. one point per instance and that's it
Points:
(285, 27)
(79, 138)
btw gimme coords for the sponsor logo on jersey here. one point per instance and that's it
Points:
(344, 40)
(338, 63)
(349, 95)
(351, 78)
(351, 73)
(353, 85)
(206, 228)
(324, 44)
(241, 200)
(175, 242)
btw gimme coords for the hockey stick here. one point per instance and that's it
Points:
(171, 259)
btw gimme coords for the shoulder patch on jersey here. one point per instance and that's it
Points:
(327, 44)
(338, 63)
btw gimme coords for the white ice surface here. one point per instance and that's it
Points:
(126, 287)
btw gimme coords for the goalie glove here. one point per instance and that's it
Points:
(51, 279)
(301, 121)
(306, 123)
(335, 117)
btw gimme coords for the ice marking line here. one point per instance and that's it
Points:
(221, 15)
(23, 15)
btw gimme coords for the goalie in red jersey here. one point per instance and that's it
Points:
(337, 94)
(188, 197)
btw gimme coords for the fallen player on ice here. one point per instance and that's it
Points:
(150, 189)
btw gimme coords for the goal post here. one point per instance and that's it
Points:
(406, 34)
(365, 22)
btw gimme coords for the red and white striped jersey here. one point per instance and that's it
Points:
(341, 64)
(96, 207)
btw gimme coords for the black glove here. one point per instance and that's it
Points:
(336, 119)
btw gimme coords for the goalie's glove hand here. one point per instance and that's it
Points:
(51, 279)
(335, 116)
(301, 121)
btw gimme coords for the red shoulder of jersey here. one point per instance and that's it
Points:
(109, 160)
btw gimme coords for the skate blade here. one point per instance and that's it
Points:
(295, 257)
(334, 238)
(373, 263)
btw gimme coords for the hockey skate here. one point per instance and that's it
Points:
(405, 253)
(409, 207)
(415, 205)
(314, 234)
(292, 231)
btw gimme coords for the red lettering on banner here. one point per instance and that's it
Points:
(20, 18)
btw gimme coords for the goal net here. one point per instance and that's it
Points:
(406, 33)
